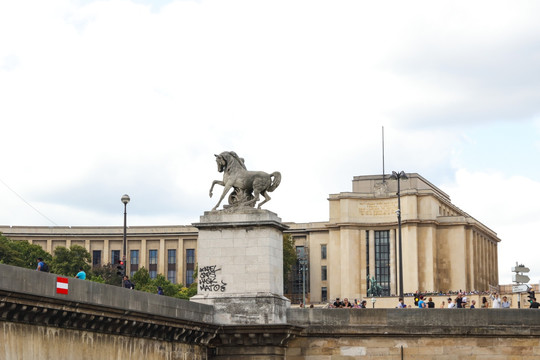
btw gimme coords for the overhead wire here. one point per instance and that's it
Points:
(27, 203)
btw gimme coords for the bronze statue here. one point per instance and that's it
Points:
(247, 185)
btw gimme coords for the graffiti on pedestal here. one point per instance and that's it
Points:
(207, 279)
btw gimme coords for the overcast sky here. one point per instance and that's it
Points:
(102, 98)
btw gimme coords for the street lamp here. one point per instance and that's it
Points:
(373, 300)
(303, 262)
(397, 177)
(125, 199)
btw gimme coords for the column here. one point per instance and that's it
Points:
(162, 258)
(485, 263)
(143, 256)
(476, 279)
(371, 253)
(496, 260)
(105, 258)
(363, 264)
(394, 262)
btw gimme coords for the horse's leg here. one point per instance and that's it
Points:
(266, 198)
(218, 182)
(253, 201)
(225, 191)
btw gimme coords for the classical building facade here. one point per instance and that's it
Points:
(443, 247)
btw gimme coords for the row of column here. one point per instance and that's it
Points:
(485, 253)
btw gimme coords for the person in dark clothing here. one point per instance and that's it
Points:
(459, 301)
(127, 284)
(430, 303)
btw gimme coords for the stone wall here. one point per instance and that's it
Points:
(24, 341)
(96, 321)
(340, 334)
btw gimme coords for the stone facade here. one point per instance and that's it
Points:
(340, 334)
(443, 247)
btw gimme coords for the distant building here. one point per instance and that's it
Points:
(444, 248)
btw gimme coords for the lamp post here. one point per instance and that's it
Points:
(373, 300)
(303, 263)
(125, 199)
(397, 177)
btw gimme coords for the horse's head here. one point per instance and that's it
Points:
(221, 162)
(228, 161)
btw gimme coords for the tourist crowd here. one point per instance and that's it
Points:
(460, 301)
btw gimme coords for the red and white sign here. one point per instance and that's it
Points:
(62, 285)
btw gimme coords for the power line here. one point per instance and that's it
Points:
(27, 203)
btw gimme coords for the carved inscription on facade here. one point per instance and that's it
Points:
(208, 281)
(378, 207)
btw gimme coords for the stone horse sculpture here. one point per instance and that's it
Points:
(247, 185)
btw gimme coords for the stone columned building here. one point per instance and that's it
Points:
(443, 247)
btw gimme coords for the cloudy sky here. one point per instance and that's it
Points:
(102, 98)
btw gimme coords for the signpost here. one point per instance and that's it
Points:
(520, 280)
(520, 288)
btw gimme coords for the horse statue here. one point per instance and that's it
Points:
(247, 185)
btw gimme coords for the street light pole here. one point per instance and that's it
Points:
(397, 177)
(125, 199)
(303, 262)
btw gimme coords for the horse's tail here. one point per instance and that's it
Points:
(277, 179)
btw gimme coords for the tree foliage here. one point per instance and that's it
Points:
(289, 255)
(21, 253)
(143, 282)
(105, 274)
(69, 261)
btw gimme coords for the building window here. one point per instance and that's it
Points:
(324, 294)
(323, 273)
(152, 263)
(115, 256)
(382, 260)
(190, 266)
(171, 265)
(323, 252)
(300, 273)
(96, 258)
(133, 262)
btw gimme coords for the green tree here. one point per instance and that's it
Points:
(289, 255)
(105, 274)
(21, 253)
(141, 278)
(187, 292)
(143, 283)
(8, 255)
(69, 261)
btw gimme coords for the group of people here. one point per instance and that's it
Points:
(357, 304)
(461, 301)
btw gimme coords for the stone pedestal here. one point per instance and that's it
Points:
(240, 260)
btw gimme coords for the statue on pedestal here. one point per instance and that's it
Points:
(247, 185)
(374, 289)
